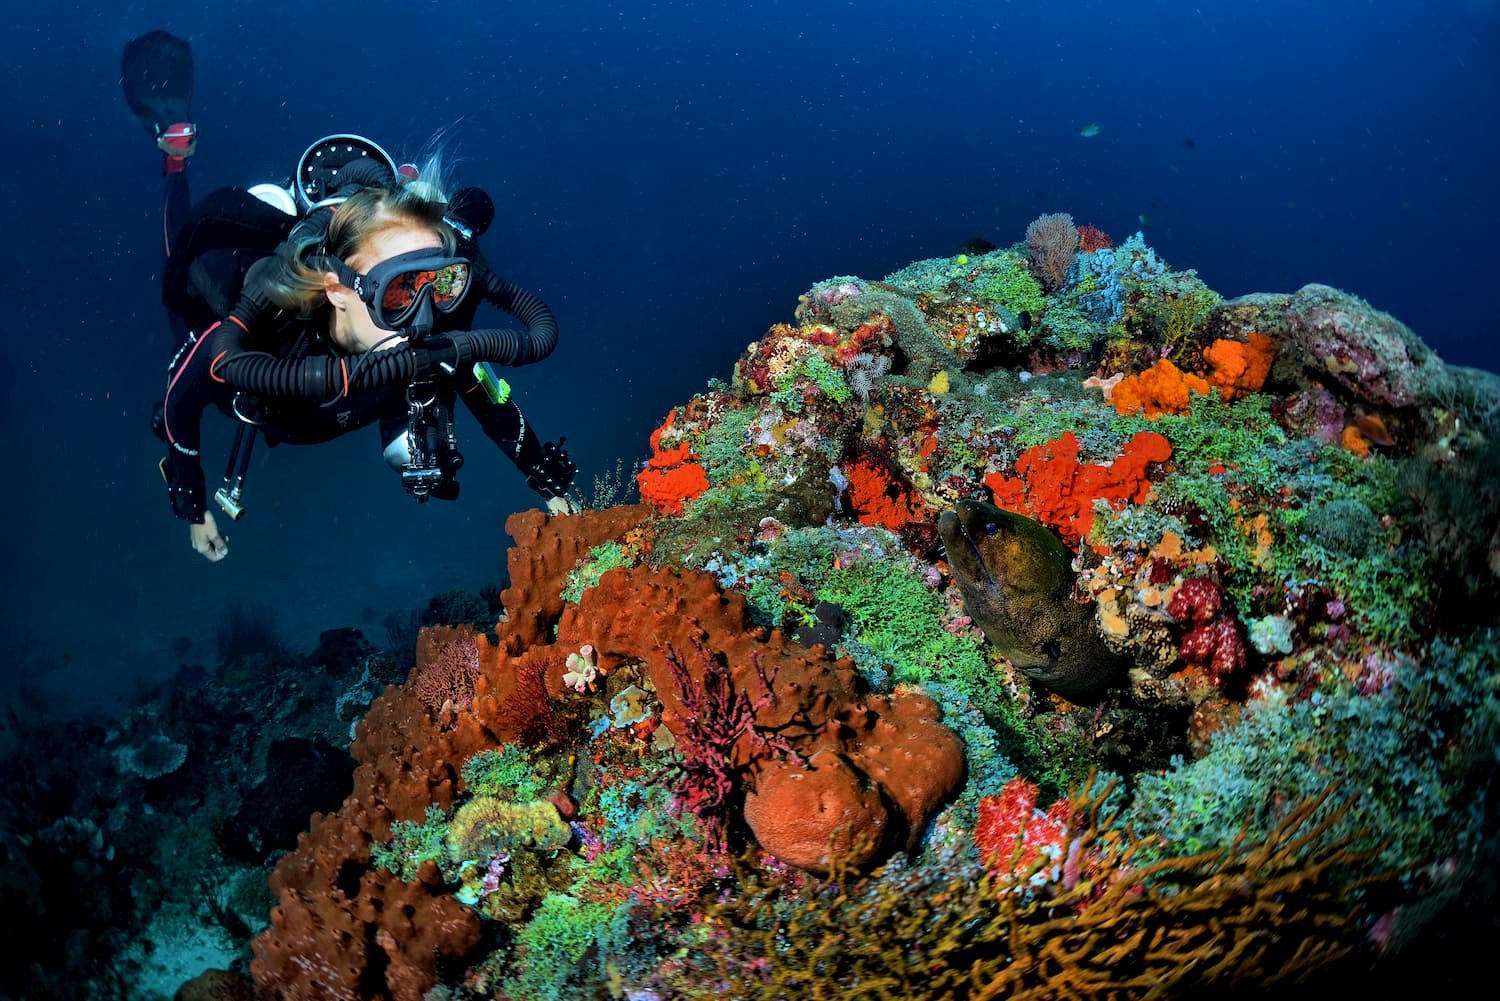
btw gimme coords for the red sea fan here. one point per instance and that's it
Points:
(530, 712)
(447, 674)
(1092, 238)
(705, 778)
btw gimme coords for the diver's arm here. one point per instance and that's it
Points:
(546, 465)
(192, 387)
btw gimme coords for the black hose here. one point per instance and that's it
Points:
(321, 377)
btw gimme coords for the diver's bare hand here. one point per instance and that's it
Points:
(206, 539)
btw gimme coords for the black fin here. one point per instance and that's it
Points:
(156, 73)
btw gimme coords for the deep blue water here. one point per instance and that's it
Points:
(669, 177)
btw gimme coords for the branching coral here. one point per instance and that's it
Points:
(1271, 910)
(706, 777)
(447, 667)
(1052, 242)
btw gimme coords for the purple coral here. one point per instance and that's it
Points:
(447, 678)
(715, 715)
(1052, 243)
(837, 291)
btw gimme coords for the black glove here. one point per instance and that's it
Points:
(254, 305)
(471, 211)
(185, 487)
(553, 473)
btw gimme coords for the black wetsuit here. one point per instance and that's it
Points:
(194, 384)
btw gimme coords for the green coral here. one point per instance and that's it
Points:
(1059, 404)
(1175, 305)
(899, 618)
(412, 843)
(563, 946)
(1067, 329)
(586, 574)
(805, 554)
(631, 813)
(813, 366)
(1416, 760)
(1005, 277)
(487, 826)
(1344, 526)
(511, 772)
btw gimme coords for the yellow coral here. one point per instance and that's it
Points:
(488, 825)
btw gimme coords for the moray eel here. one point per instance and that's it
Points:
(1017, 581)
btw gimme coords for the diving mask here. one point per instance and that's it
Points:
(404, 291)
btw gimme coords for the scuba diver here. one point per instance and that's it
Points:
(342, 299)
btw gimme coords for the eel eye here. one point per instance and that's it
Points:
(1052, 649)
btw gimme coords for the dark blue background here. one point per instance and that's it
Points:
(669, 176)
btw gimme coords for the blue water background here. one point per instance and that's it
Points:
(669, 177)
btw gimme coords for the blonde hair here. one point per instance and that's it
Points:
(294, 283)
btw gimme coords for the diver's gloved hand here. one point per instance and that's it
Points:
(553, 473)
(185, 486)
(470, 212)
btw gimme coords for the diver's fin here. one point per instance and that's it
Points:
(156, 73)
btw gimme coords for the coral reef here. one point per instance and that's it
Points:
(1220, 724)
(1269, 909)
(1205, 701)
(382, 937)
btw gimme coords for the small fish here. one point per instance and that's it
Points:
(1144, 218)
(1373, 428)
(1090, 130)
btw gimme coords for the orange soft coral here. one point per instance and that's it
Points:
(878, 498)
(1054, 488)
(1161, 389)
(671, 476)
(1092, 238)
(1240, 367)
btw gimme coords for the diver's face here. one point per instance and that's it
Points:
(351, 326)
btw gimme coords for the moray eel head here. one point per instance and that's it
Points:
(1017, 578)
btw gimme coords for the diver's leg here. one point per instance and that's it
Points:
(175, 203)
